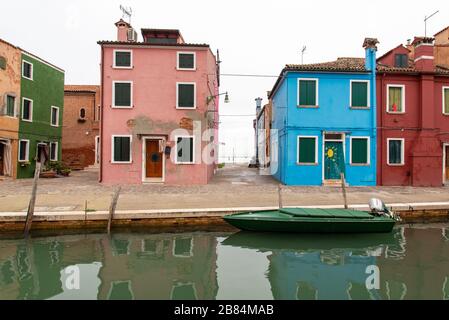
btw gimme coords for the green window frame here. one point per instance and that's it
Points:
(307, 150)
(10, 105)
(186, 60)
(186, 95)
(401, 60)
(121, 149)
(446, 100)
(396, 98)
(185, 150)
(395, 151)
(360, 94)
(307, 92)
(122, 94)
(122, 59)
(360, 150)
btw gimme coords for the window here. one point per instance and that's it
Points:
(186, 61)
(82, 113)
(27, 110)
(308, 92)
(360, 94)
(360, 150)
(401, 61)
(446, 100)
(186, 96)
(396, 99)
(122, 94)
(10, 106)
(182, 291)
(24, 150)
(54, 116)
(121, 149)
(183, 247)
(395, 152)
(123, 59)
(184, 150)
(307, 150)
(53, 151)
(2, 63)
(27, 70)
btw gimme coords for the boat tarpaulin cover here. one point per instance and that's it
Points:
(327, 213)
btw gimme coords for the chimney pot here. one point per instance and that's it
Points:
(423, 54)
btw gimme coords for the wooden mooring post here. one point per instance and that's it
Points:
(280, 196)
(112, 207)
(343, 186)
(30, 212)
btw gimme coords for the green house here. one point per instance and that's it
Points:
(41, 111)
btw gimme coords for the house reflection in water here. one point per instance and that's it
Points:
(128, 266)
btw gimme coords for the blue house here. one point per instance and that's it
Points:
(324, 121)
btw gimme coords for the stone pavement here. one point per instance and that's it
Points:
(234, 186)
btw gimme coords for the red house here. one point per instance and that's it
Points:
(413, 114)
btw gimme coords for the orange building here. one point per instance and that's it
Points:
(10, 76)
(81, 131)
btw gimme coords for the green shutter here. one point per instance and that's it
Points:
(26, 110)
(186, 95)
(359, 151)
(307, 92)
(10, 106)
(395, 151)
(446, 100)
(122, 94)
(122, 59)
(186, 61)
(307, 150)
(359, 94)
(122, 148)
(395, 97)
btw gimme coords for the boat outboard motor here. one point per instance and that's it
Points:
(379, 208)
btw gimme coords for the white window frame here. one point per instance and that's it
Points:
(113, 94)
(317, 81)
(57, 116)
(316, 151)
(194, 96)
(185, 69)
(402, 152)
(32, 70)
(130, 148)
(402, 86)
(443, 99)
(190, 254)
(193, 151)
(368, 145)
(27, 153)
(57, 150)
(368, 94)
(31, 109)
(115, 59)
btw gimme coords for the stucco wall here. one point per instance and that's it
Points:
(10, 84)
(154, 112)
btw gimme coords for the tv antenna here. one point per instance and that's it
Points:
(425, 21)
(127, 12)
(303, 50)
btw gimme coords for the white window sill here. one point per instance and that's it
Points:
(308, 107)
(186, 69)
(26, 120)
(306, 164)
(186, 108)
(396, 165)
(392, 112)
(120, 162)
(360, 108)
(123, 68)
(122, 107)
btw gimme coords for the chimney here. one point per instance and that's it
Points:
(370, 45)
(122, 30)
(424, 57)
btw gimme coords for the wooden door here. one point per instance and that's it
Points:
(2, 159)
(334, 163)
(153, 159)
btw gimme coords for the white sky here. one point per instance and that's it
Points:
(253, 36)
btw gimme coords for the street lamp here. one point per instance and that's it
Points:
(226, 100)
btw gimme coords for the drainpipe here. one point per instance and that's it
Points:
(100, 178)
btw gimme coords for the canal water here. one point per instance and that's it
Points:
(410, 263)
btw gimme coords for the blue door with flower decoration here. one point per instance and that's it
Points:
(334, 162)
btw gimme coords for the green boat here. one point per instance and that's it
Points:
(313, 220)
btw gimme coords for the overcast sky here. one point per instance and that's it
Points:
(253, 36)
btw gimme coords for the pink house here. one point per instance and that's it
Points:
(160, 109)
